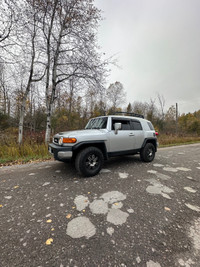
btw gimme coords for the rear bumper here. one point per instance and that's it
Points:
(60, 152)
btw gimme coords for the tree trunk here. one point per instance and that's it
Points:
(21, 122)
(48, 127)
(47, 94)
(28, 87)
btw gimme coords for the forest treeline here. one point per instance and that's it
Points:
(72, 114)
(53, 74)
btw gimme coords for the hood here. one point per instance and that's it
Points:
(83, 135)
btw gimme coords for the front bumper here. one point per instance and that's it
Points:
(60, 152)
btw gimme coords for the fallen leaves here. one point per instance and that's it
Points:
(16, 186)
(1, 206)
(49, 241)
(49, 221)
(25, 161)
(167, 209)
(68, 216)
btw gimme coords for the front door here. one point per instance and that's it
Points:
(124, 140)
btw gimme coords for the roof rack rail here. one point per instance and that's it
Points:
(129, 114)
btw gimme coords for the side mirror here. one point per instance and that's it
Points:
(117, 127)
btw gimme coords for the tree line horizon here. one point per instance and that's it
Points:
(53, 73)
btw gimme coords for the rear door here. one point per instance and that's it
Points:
(138, 133)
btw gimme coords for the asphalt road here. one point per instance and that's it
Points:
(131, 214)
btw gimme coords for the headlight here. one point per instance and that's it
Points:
(64, 140)
(60, 142)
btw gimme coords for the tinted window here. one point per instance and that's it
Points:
(136, 126)
(125, 124)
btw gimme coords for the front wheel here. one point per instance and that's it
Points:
(147, 153)
(89, 161)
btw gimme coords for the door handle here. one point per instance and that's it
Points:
(131, 134)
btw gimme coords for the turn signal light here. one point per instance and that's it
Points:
(69, 140)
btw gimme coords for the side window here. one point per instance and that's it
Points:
(136, 126)
(126, 126)
(150, 126)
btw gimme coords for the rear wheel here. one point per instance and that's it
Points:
(147, 154)
(89, 161)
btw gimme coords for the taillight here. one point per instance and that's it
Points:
(156, 133)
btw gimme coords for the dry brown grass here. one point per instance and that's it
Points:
(11, 152)
(32, 149)
(169, 140)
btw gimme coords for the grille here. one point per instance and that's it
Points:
(56, 140)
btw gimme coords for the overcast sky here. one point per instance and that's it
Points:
(157, 43)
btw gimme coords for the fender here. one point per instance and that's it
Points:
(152, 140)
(99, 143)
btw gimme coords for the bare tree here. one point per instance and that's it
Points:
(69, 31)
(8, 26)
(140, 108)
(152, 110)
(32, 29)
(4, 97)
(58, 36)
(6, 19)
(116, 95)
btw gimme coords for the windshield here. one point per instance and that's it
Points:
(98, 123)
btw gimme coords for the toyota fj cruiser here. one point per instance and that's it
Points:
(104, 137)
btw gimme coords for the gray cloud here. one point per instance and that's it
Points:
(158, 47)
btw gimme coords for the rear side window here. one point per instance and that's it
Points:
(150, 126)
(136, 126)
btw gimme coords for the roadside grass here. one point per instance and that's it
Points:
(172, 140)
(32, 150)
(15, 154)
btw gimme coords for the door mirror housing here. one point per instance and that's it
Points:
(117, 127)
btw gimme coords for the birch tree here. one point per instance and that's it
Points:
(69, 29)
(30, 30)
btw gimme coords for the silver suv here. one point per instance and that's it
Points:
(105, 137)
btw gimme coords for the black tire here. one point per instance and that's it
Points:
(89, 161)
(147, 153)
